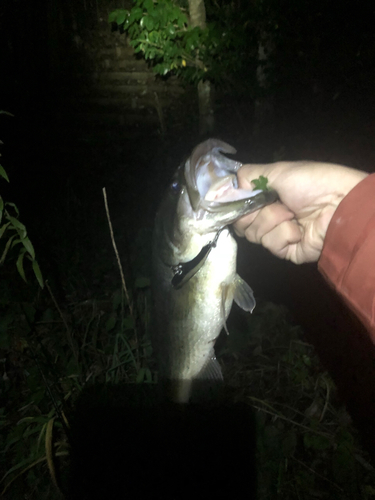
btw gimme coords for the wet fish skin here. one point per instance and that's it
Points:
(191, 304)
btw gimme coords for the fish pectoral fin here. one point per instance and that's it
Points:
(243, 294)
(224, 294)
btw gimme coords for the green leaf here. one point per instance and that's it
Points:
(144, 375)
(22, 233)
(149, 5)
(162, 68)
(26, 462)
(3, 228)
(261, 183)
(16, 223)
(112, 16)
(180, 22)
(118, 16)
(153, 37)
(29, 246)
(140, 375)
(38, 273)
(121, 16)
(16, 242)
(19, 264)
(5, 251)
(13, 205)
(171, 30)
(162, 16)
(3, 173)
(135, 14)
(148, 22)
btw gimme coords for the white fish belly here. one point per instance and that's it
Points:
(198, 312)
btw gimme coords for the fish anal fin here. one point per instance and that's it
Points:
(207, 385)
(243, 294)
(211, 370)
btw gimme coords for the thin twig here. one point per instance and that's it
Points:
(121, 271)
(317, 474)
(275, 414)
(326, 400)
(116, 253)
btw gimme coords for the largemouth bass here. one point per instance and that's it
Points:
(194, 278)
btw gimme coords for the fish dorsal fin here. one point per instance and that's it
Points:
(243, 294)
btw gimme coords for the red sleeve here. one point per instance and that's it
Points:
(348, 257)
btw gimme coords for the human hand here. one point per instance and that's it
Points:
(309, 192)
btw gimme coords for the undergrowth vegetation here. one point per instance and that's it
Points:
(53, 342)
(48, 356)
(307, 446)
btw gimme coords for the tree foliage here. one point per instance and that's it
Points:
(159, 30)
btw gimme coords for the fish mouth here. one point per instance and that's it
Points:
(211, 183)
(219, 194)
(211, 179)
(225, 190)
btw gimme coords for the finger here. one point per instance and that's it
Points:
(282, 237)
(257, 224)
(244, 222)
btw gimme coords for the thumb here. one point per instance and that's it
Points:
(249, 172)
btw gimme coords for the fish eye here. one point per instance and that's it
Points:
(175, 187)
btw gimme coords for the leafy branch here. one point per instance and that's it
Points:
(14, 234)
(159, 30)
